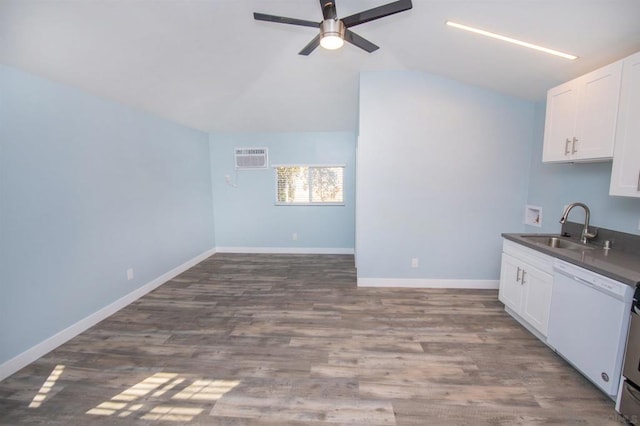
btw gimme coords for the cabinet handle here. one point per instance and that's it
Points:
(638, 187)
(573, 146)
(522, 281)
(518, 274)
(566, 146)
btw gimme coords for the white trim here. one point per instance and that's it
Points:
(309, 204)
(49, 344)
(427, 283)
(274, 166)
(285, 250)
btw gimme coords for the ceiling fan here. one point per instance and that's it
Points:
(334, 31)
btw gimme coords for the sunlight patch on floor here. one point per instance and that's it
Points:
(178, 414)
(206, 390)
(46, 387)
(157, 385)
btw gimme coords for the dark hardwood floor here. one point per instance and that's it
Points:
(289, 340)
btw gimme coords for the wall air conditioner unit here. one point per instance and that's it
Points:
(251, 158)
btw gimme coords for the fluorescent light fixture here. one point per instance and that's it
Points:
(511, 40)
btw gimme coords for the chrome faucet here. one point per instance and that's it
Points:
(586, 235)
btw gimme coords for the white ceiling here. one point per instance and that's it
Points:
(209, 65)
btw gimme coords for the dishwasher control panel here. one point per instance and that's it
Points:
(593, 279)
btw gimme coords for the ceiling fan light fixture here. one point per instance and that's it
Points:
(333, 31)
(511, 40)
(331, 34)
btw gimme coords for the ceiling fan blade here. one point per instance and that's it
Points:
(328, 9)
(311, 46)
(356, 40)
(283, 20)
(377, 13)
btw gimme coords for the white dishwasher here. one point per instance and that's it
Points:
(588, 323)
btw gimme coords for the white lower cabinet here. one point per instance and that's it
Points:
(526, 282)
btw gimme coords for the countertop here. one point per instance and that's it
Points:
(618, 265)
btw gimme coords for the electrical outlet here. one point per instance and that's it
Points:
(414, 262)
(294, 237)
(129, 274)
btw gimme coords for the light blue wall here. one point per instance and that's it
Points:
(246, 215)
(89, 188)
(442, 172)
(552, 186)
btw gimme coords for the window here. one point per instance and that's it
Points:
(309, 185)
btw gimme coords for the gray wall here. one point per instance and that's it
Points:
(442, 171)
(89, 188)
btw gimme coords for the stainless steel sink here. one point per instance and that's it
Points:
(557, 242)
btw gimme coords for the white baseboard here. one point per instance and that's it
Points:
(427, 283)
(285, 250)
(42, 348)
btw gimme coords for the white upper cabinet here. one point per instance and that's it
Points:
(560, 122)
(625, 173)
(580, 123)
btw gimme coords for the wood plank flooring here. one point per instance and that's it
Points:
(290, 340)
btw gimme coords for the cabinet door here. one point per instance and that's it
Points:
(625, 174)
(560, 122)
(536, 299)
(598, 99)
(510, 292)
